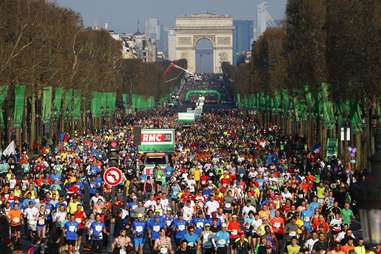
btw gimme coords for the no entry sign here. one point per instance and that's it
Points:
(113, 176)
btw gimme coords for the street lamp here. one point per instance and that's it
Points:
(368, 195)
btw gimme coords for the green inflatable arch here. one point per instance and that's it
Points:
(202, 92)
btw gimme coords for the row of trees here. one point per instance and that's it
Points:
(48, 57)
(324, 41)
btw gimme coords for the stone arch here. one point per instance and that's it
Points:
(216, 28)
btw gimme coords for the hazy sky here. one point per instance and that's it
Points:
(122, 15)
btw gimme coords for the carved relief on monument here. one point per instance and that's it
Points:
(184, 55)
(223, 57)
(223, 41)
(184, 40)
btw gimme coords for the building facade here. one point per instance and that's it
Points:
(171, 44)
(243, 36)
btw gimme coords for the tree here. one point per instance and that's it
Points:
(305, 46)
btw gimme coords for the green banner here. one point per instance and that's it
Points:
(46, 104)
(110, 103)
(125, 101)
(95, 104)
(68, 103)
(76, 104)
(57, 102)
(285, 101)
(309, 100)
(142, 103)
(332, 145)
(3, 96)
(18, 113)
(103, 103)
(356, 117)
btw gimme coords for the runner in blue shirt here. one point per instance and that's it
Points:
(199, 222)
(192, 239)
(221, 240)
(71, 233)
(179, 226)
(155, 227)
(306, 216)
(97, 229)
(138, 229)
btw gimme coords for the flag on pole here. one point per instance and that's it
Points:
(10, 150)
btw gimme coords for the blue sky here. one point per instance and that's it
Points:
(122, 15)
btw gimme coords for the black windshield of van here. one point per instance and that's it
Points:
(155, 160)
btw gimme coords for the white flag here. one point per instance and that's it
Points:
(11, 149)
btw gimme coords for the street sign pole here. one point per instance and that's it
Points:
(113, 177)
(112, 222)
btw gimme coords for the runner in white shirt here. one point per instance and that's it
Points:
(188, 211)
(95, 199)
(59, 216)
(164, 203)
(247, 208)
(212, 206)
(310, 242)
(151, 203)
(31, 214)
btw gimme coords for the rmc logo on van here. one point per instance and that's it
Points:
(156, 137)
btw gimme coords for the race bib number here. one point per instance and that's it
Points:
(292, 233)
(98, 228)
(78, 220)
(234, 232)
(181, 227)
(221, 242)
(156, 228)
(16, 220)
(277, 224)
(228, 205)
(191, 244)
(72, 228)
(307, 219)
(41, 221)
(139, 229)
(200, 224)
(163, 250)
(168, 222)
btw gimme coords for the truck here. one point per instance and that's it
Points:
(155, 147)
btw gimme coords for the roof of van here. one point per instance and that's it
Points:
(155, 154)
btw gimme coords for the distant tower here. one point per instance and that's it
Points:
(171, 44)
(152, 28)
(264, 20)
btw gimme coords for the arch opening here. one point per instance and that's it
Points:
(204, 56)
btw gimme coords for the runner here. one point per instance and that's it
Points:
(122, 244)
(139, 227)
(71, 233)
(163, 244)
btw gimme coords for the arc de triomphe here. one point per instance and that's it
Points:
(216, 28)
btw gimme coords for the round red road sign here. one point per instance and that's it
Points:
(113, 176)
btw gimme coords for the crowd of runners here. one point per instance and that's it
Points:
(230, 187)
